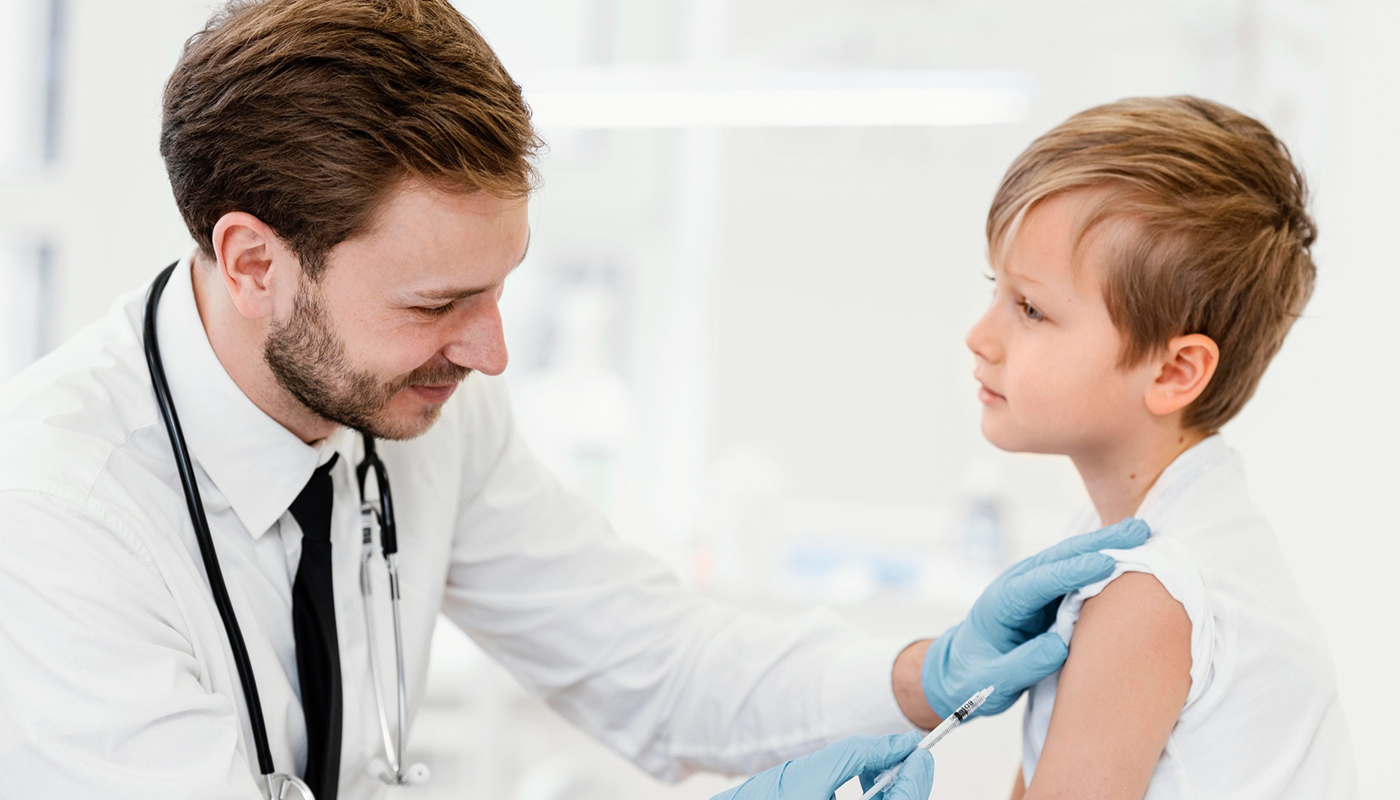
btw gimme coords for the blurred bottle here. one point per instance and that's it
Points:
(983, 539)
(576, 409)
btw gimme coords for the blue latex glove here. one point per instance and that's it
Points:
(1003, 640)
(818, 775)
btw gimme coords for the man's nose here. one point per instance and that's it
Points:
(479, 342)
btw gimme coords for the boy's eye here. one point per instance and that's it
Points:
(1032, 313)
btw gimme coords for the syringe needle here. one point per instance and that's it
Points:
(883, 781)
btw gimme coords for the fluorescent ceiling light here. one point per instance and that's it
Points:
(601, 98)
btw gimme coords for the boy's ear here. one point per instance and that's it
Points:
(1184, 369)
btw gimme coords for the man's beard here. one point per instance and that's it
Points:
(308, 360)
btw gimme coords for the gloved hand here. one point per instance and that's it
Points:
(818, 775)
(1003, 640)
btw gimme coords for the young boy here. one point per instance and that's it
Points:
(1149, 257)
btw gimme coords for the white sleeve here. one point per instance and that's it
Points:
(608, 637)
(100, 691)
(1168, 561)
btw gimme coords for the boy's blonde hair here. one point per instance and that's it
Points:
(1214, 232)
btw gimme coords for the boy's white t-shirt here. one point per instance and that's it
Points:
(1262, 719)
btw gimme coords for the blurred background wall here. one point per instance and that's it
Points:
(739, 330)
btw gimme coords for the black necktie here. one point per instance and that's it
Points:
(313, 622)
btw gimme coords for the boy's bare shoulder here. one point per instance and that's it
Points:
(1126, 680)
(1133, 637)
(1138, 605)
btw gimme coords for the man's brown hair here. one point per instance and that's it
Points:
(305, 113)
(1207, 219)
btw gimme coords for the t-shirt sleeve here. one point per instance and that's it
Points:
(1168, 561)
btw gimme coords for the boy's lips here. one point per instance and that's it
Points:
(987, 396)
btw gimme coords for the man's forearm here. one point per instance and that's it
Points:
(908, 685)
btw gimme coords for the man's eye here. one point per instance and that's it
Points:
(437, 311)
(1032, 313)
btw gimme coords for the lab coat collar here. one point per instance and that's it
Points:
(257, 464)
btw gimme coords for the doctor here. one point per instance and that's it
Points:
(354, 174)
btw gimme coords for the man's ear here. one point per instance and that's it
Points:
(252, 262)
(1184, 369)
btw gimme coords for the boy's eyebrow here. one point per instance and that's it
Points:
(463, 293)
(1020, 277)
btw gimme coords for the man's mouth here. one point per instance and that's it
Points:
(435, 394)
(434, 384)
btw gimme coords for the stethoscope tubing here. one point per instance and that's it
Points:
(277, 783)
(201, 526)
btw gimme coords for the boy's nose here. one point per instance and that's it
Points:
(981, 341)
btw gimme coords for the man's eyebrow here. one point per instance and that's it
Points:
(455, 293)
(448, 294)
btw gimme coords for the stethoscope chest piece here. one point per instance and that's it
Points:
(281, 786)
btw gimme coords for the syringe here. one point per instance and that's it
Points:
(964, 711)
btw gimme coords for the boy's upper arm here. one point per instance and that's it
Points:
(1119, 694)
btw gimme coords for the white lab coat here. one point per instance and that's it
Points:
(116, 679)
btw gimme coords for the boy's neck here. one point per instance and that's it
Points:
(1119, 476)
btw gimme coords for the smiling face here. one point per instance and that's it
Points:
(403, 312)
(1047, 352)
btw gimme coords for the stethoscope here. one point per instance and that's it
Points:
(279, 784)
